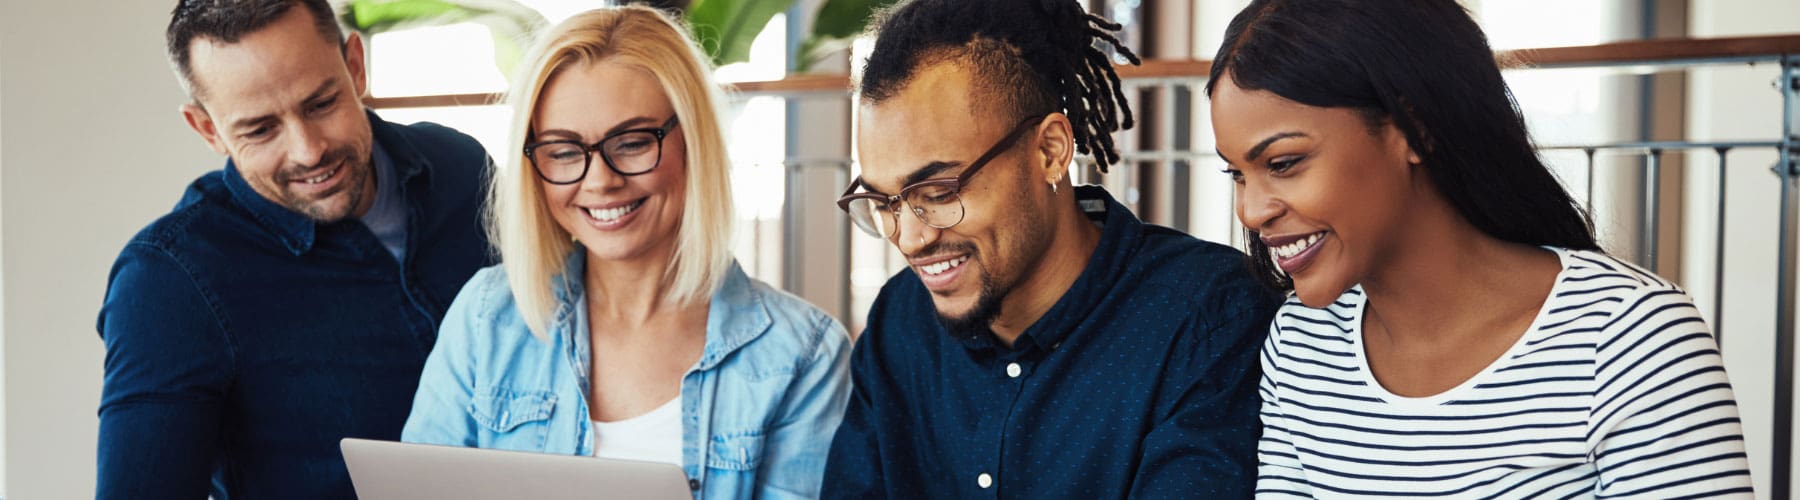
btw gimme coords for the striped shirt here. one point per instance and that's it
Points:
(1617, 389)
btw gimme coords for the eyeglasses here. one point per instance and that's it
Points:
(626, 152)
(936, 202)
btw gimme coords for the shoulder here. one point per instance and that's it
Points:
(1592, 272)
(1636, 313)
(1326, 329)
(449, 151)
(796, 327)
(487, 294)
(1597, 288)
(1209, 279)
(204, 216)
(484, 321)
(901, 304)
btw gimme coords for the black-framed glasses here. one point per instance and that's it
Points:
(936, 202)
(627, 152)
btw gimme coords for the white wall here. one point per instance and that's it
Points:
(94, 150)
(1739, 103)
(2, 275)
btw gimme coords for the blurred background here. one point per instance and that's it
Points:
(1665, 116)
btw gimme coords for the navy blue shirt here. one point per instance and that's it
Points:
(1139, 382)
(244, 340)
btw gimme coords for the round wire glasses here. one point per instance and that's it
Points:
(936, 202)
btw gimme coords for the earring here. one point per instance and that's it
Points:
(1053, 188)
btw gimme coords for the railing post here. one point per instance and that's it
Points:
(1719, 258)
(1789, 84)
(1590, 180)
(1649, 207)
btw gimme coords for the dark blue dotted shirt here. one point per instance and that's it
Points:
(1140, 382)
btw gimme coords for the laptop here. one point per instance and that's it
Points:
(386, 470)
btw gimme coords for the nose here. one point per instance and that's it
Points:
(913, 234)
(1257, 207)
(599, 177)
(306, 144)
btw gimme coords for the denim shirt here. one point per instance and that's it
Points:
(244, 340)
(758, 410)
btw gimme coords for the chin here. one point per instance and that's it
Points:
(1317, 295)
(953, 308)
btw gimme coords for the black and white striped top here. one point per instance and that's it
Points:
(1617, 389)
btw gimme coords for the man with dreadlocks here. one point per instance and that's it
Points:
(1044, 342)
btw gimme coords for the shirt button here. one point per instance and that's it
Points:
(984, 480)
(1013, 370)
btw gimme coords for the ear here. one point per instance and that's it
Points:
(202, 124)
(1398, 146)
(1056, 147)
(353, 60)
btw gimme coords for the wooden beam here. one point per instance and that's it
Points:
(432, 101)
(1628, 52)
(1647, 51)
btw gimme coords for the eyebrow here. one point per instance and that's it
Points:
(320, 91)
(635, 122)
(928, 171)
(1258, 149)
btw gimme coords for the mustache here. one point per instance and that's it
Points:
(332, 157)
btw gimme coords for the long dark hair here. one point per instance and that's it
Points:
(1425, 67)
(1036, 56)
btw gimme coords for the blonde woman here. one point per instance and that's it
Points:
(619, 325)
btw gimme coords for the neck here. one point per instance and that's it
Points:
(627, 292)
(371, 188)
(1443, 274)
(1072, 243)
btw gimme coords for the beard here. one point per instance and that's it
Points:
(1028, 233)
(353, 187)
(979, 320)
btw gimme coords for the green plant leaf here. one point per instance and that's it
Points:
(837, 23)
(725, 28)
(510, 23)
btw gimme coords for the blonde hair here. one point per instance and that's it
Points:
(532, 247)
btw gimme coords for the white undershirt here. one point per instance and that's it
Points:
(651, 437)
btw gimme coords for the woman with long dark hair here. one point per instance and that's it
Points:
(1453, 328)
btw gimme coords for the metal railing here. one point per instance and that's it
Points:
(1160, 178)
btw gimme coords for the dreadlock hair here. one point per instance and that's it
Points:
(1036, 56)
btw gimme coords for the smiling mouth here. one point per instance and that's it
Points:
(1291, 249)
(322, 177)
(943, 267)
(615, 213)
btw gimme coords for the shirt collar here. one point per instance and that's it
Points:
(294, 229)
(736, 314)
(1121, 231)
(297, 231)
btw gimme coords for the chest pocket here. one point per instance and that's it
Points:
(512, 419)
(736, 451)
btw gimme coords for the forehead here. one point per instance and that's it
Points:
(267, 68)
(1241, 118)
(933, 118)
(591, 97)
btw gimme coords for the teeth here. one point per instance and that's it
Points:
(612, 214)
(321, 177)
(939, 268)
(1292, 249)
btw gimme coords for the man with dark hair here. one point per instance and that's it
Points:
(289, 300)
(1044, 342)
